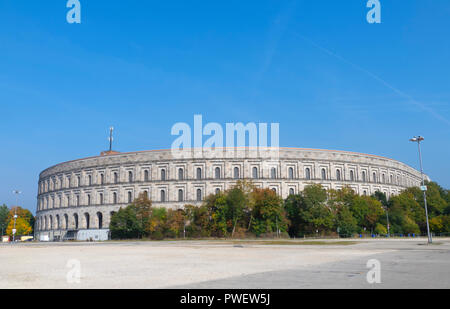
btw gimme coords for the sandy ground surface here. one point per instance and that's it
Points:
(223, 264)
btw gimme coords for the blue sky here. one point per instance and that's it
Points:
(318, 68)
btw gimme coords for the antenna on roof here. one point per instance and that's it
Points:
(111, 129)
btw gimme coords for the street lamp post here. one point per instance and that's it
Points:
(418, 139)
(16, 192)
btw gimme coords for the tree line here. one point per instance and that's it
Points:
(247, 211)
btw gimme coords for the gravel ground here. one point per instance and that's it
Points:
(224, 264)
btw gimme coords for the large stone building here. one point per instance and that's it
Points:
(78, 197)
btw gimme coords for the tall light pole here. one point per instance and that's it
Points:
(16, 192)
(418, 139)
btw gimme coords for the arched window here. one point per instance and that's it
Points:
(130, 197)
(307, 173)
(163, 196)
(116, 178)
(66, 221)
(236, 173)
(163, 174)
(114, 198)
(217, 172)
(100, 220)
(78, 200)
(180, 174)
(89, 199)
(75, 221)
(180, 195)
(274, 190)
(364, 192)
(363, 176)
(374, 177)
(383, 177)
(338, 174)
(130, 176)
(391, 180)
(102, 179)
(146, 175)
(86, 218)
(352, 176)
(255, 172)
(58, 226)
(199, 173)
(217, 190)
(199, 194)
(79, 181)
(324, 174)
(90, 180)
(101, 198)
(273, 173)
(291, 191)
(145, 193)
(291, 173)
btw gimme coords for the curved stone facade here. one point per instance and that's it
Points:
(82, 194)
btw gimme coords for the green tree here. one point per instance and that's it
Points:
(4, 218)
(267, 212)
(124, 224)
(309, 211)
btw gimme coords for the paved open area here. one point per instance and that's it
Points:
(408, 263)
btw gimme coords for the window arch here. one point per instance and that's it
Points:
(363, 176)
(116, 177)
(145, 193)
(374, 177)
(66, 221)
(217, 172)
(273, 173)
(90, 180)
(163, 174)
(114, 198)
(383, 177)
(86, 218)
(307, 173)
(324, 174)
(163, 196)
(199, 194)
(199, 173)
(391, 179)
(146, 175)
(79, 181)
(352, 175)
(180, 195)
(236, 173)
(51, 222)
(130, 176)
(78, 200)
(291, 191)
(180, 174)
(89, 199)
(291, 173)
(130, 197)
(274, 190)
(217, 190)
(75, 221)
(101, 198)
(338, 175)
(100, 220)
(255, 172)
(102, 179)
